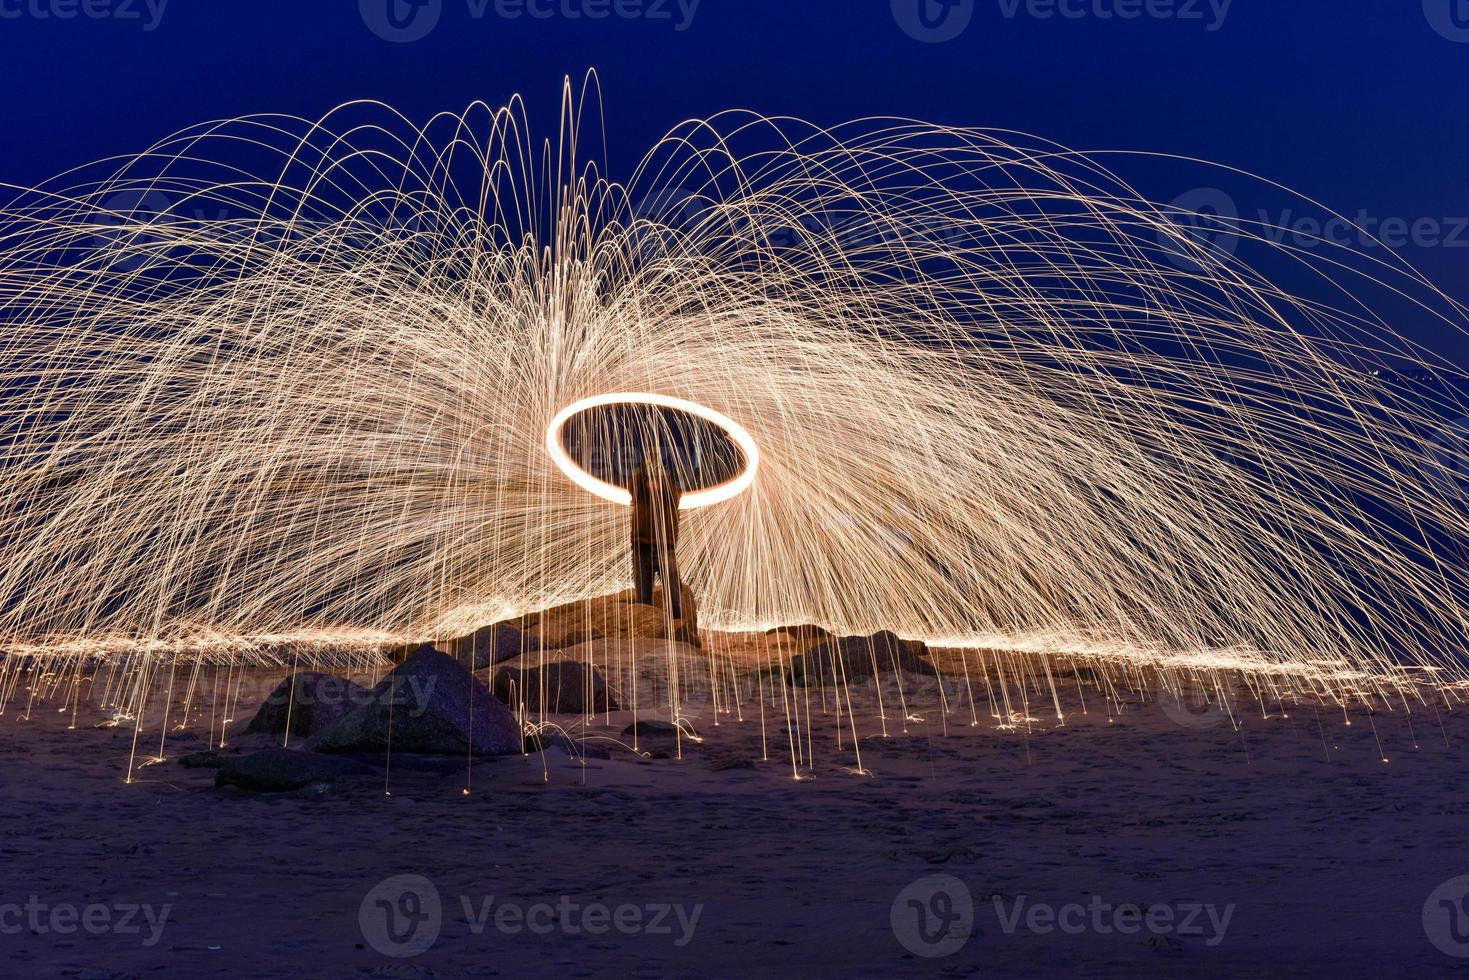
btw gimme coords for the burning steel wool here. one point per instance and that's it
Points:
(279, 391)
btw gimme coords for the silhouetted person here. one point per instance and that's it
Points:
(655, 495)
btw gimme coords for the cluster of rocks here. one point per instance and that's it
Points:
(493, 644)
(564, 687)
(433, 704)
(430, 704)
(834, 659)
(305, 703)
(611, 617)
(279, 770)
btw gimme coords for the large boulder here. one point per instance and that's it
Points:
(545, 740)
(429, 704)
(688, 622)
(611, 617)
(485, 647)
(563, 687)
(857, 658)
(305, 703)
(281, 770)
(804, 635)
(493, 644)
(577, 638)
(655, 728)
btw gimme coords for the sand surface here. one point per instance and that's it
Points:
(1276, 845)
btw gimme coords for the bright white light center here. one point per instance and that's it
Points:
(620, 495)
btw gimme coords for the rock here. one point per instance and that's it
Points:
(544, 741)
(683, 632)
(613, 617)
(916, 647)
(807, 634)
(578, 637)
(562, 687)
(856, 658)
(306, 702)
(429, 704)
(943, 855)
(493, 644)
(598, 619)
(400, 652)
(282, 770)
(654, 727)
(689, 606)
(202, 760)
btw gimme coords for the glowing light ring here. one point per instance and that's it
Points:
(619, 495)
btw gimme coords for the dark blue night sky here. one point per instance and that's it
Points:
(1358, 103)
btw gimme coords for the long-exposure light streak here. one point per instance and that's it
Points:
(276, 386)
(619, 495)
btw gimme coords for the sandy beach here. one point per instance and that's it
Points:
(1143, 842)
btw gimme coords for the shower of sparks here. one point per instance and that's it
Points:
(276, 390)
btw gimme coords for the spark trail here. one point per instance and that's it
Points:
(278, 385)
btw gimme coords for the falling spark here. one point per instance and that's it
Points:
(279, 392)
